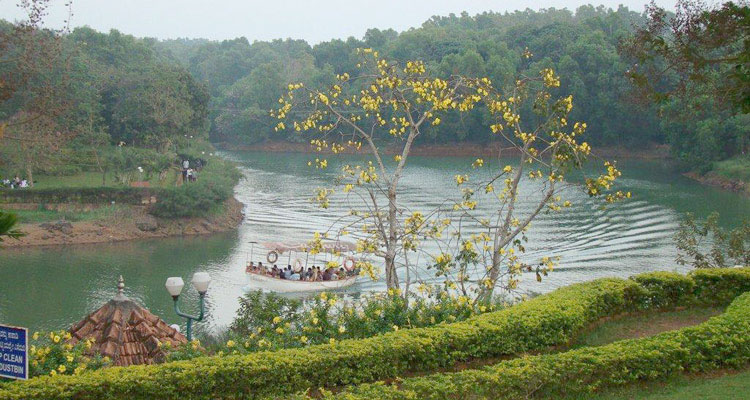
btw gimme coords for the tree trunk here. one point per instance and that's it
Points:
(29, 176)
(391, 276)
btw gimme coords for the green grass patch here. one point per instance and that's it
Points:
(715, 386)
(90, 179)
(643, 325)
(737, 168)
(43, 215)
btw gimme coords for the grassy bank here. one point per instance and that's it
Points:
(82, 196)
(91, 179)
(643, 325)
(737, 168)
(97, 214)
(721, 385)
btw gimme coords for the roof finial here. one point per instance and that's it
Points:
(120, 289)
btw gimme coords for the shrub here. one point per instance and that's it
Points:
(214, 186)
(723, 341)
(666, 289)
(536, 324)
(548, 320)
(124, 160)
(728, 248)
(270, 321)
(720, 285)
(51, 354)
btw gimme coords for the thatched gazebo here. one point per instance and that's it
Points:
(126, 332)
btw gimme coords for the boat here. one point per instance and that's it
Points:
(342, 250)
(287, 286)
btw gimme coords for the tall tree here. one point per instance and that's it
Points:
(388, 100)
(709, 45)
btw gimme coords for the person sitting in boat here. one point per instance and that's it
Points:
(308, 274)
(276, 272)
(332, 274)
(261, 269)
(293, 275)
(250, 267)
(326, 275)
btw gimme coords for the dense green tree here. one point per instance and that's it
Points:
(695, 65)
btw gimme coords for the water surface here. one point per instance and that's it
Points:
(53, 287)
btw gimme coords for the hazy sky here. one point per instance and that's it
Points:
(312, 20)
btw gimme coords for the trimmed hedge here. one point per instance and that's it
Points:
(548, 320)
(722, 341)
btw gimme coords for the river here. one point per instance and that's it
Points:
(54, 287)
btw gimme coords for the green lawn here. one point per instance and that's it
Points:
(648, 324)
(734, 168)
(89, 179)
(717, 385)
(41, 215)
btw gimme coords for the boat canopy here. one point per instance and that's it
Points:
(328, 247)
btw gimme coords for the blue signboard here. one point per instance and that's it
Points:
(14, 356)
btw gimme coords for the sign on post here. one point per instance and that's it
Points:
(14, 354)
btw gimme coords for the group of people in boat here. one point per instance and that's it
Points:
(311, 274)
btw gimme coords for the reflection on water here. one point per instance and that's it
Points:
(54, 287)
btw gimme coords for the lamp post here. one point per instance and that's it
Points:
(200, 282)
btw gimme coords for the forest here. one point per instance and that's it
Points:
(155, 93)
(584, 47)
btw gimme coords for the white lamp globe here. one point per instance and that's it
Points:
(200, 281)
(174, 285)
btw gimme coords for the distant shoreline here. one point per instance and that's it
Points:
(718, 181)
(141, 226)
(449, 150)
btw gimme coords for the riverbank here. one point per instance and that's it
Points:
(447, 150)
(714, 179)
(127, 223)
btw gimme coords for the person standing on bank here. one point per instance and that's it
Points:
(185, 167)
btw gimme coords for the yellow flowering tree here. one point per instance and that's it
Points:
(543, 153)
(385, 101)
(391, 102)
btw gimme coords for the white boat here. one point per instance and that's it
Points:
(332, 250)
(290, 286)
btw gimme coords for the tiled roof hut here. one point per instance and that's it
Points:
(126, 333)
